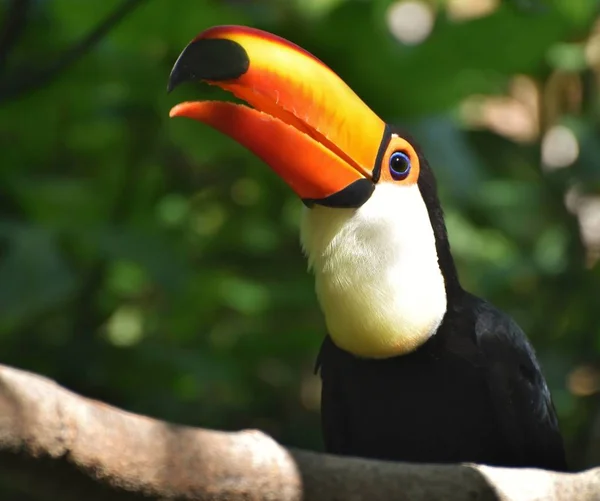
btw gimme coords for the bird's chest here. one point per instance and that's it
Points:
(425, 407)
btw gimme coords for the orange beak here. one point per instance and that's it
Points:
(305, 122)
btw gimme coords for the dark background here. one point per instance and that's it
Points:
(154, 264)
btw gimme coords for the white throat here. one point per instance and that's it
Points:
(377, 274)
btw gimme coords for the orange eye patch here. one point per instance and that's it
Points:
(400, 162)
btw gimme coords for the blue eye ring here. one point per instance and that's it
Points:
(400, 165)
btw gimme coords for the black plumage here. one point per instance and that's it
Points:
(474, 392)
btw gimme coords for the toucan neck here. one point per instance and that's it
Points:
(377, 272)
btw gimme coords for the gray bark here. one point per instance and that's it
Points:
(58, 445)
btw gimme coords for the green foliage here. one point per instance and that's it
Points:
(155, 264)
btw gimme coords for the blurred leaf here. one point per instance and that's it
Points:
(34, 276)
(244, 296)
(152, 250)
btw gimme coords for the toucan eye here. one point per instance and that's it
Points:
(399, 165)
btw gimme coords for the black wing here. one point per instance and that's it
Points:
(334, 412)
(520, 396)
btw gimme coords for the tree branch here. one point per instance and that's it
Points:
(57, 445)
(31, 80)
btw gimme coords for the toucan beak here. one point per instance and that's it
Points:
(305, 122)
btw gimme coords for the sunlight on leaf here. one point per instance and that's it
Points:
(172, 209)
(244, 296)
(317, 8)
(410, 21)
(125, 327)
(126, 278)
(567, 57)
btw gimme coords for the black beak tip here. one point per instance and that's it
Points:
(177, 76)
(213, 59)
(171, 84)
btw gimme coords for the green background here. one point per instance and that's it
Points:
(155, 264)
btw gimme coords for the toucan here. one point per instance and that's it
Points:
(414, 368)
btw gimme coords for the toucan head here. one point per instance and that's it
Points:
(372, 230)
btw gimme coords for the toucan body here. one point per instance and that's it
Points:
(414, 368)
